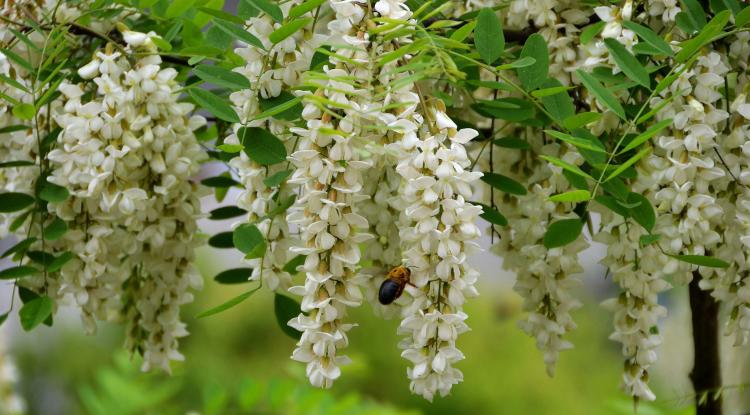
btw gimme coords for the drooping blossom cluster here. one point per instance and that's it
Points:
(639, 271)
(544, 277)
(329, 171)
(270, 70)
(438, 233)
(126, 156)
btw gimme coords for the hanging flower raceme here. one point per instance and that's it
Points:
(271, 71)
(639, 271)
(126, 155)
(330, 175)
(438, 229)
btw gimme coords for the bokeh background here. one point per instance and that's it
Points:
(238, 361)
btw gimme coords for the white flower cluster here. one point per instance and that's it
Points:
(731, 285)
(126, 155)
(272, 70)
(684, 167)
(543, 276)
(11, 402)
(437, 235)
(329, 169)
(639, 271)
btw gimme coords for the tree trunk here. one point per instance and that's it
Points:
(706, 373)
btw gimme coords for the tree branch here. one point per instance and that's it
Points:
(706, 373)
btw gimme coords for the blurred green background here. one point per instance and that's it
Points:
(238, 362)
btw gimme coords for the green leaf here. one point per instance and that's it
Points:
(627, 62)
(703, 261)
(567, 166)
(23, 63)
(222, 240)
(711, 30)
(612, 204)
(581, 119)
(628, 163)
(520, 63)
(648, 36)
(511, 142)
(213, 104)
(575, 141)
(602, 94)
(534, 76)
(286, 309)
(266, 7)
(4, 317)
(178, 8)
(646, 135)
(222, 15)
(742, 18)
(234, 276)
(229, 304)
(288, 29)
(643, 212)
(19, 247)
(559, 105)
(510, 109)
(55, 230)
(220, 181)
(226, 212)
(222, 77)
(646, 240)
(248, 240)
(695, 13)
(13, 201)
(35, 312)
(460, 34)
(546, 92)
(17, 272)
(562, 232)
(291, 266)
(13, 128)
(589, 32)
(285, 107)
(57, 263)
(24, 111)
(239, 33)
(230, 148)
(504, 183)
(261, 146)
(16, 163)
(161, 43)
(305, 7)
(488, 36)
(277, 178)
(572, 196)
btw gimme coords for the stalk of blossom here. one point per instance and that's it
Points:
(639, 271)
(126, 156)
(329, 171)
(439, 226)
(271, 70)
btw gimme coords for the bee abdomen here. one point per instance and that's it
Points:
(389, 291)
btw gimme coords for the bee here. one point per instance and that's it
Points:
(393, 286)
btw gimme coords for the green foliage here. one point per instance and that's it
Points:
(34, 312)
(488, 36)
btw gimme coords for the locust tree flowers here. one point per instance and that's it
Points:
(364, 136)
